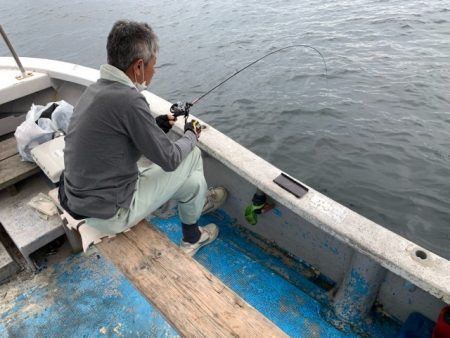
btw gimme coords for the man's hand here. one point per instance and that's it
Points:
(194, 126)
(165, 122)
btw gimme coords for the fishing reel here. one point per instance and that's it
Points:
(181, 109)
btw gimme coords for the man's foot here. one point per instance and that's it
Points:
(208, 234)
(215, 198)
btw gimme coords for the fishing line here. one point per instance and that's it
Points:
(179, 109)
(263, 57)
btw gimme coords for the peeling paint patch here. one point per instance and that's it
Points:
(330, 248)
(117, 330)
(277, 212)
(313, 329)
(359, 284)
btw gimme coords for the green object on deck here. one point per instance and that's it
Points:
(257, 207)
(251, 213)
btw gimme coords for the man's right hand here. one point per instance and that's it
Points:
(165, 122)
(194, 126)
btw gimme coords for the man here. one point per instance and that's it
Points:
(111, 128)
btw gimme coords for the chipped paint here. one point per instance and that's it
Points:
(332, 249)
(117, 330)
(357, 292)
(277, 212)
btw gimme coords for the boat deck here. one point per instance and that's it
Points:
(85, 295)
(12, 168)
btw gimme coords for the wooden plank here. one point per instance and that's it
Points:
(13, 170)
(193, 300)
(9, 123)
(8, 148)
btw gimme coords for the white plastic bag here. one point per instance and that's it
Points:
(61, 116)
(30, 134)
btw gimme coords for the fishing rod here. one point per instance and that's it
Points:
(182, 109)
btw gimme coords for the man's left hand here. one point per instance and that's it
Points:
(165, 122)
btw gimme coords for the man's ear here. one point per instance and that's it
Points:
(139, 63)
(135, 69)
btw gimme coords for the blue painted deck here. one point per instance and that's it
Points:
(86, 296)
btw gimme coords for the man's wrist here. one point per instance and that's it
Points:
(193, 132)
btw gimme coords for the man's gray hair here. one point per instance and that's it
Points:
(129, 41)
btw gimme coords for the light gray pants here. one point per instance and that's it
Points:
(154, 187)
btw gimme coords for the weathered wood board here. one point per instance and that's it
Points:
(8, 148)
(193, 300)
(12, 168)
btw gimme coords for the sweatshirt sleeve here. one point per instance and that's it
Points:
(151, 141)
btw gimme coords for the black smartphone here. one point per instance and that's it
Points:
(291, 185)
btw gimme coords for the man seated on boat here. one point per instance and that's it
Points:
(111, 128)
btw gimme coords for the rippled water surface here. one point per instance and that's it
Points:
(375, 136)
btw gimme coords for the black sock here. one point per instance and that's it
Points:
(191, 234)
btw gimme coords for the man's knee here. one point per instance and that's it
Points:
(196, 184)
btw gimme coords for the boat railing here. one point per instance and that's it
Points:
(14, 54)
